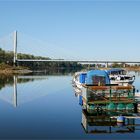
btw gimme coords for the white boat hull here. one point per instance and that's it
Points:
(76, 81)
(121, 79)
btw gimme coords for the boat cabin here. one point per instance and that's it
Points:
(97, 77)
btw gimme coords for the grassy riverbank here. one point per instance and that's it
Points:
(133, 68)
(7, 69)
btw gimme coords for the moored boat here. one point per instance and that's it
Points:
(120, 77)
(98, 77)
(97, 93)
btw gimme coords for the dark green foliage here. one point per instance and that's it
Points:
(6, 57)
(117, 65)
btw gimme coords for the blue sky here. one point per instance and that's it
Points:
(82, 29)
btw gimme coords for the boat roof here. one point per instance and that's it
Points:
(97, 72)
(93, 77)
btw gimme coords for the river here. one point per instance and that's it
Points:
(44, 106)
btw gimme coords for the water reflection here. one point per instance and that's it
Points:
(19, 89)
(50, 111)
(14, 81)
(9, 80)
(12, 95)
(106, 123)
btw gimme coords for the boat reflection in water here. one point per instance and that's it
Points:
(106, 123)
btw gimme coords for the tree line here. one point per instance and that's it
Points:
(6, 57)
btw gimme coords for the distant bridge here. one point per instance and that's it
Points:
(71, 60)
(106, 62)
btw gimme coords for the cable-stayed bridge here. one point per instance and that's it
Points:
(16, 46)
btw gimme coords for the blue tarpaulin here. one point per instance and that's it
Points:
(97, 77)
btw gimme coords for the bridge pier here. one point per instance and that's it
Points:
(124, 65)
(106, 64)
(96, 66)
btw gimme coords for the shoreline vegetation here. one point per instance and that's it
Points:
(21, 70)
(7, 67)
(131, 68)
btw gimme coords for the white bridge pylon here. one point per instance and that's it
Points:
(15, 47)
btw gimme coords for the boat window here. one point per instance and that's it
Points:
(121, 78)
(118, 72)
(128, 78)
(99, 80)
(112, 78)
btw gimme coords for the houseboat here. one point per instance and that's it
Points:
(99, 94)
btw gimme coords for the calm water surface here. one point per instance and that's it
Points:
(45, 106)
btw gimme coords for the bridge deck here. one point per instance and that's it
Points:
(80, 61)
